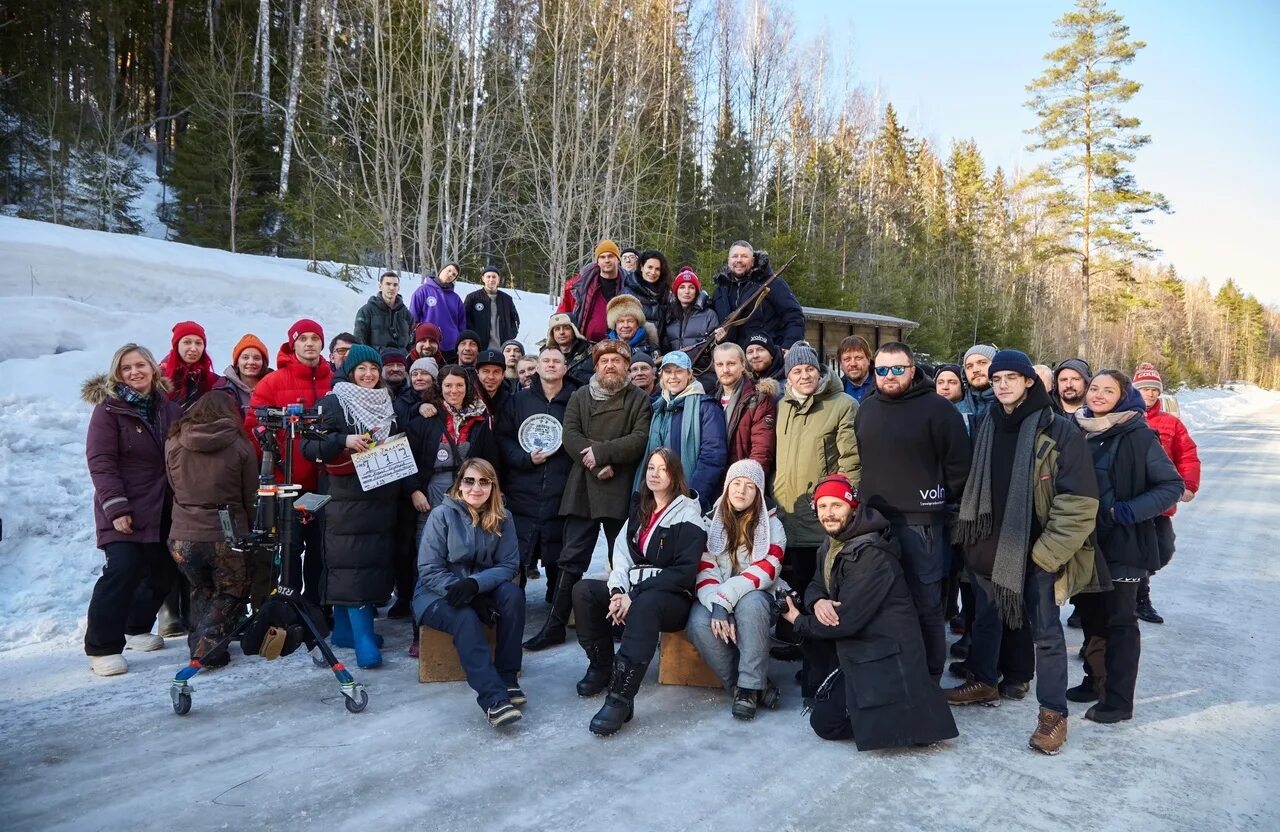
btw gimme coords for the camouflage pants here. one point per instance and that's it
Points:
(219, 579)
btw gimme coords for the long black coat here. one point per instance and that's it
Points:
(476, 305)
(892, 700)
(532, 491)
(359, 525)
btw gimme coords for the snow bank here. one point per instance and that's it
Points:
(70, 298)
(1207, 406)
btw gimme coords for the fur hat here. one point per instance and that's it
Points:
(623, 306)
(1147, 376)
(562, 319)
(610, 345)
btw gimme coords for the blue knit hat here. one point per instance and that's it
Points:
(1005, 360)
(359, 354)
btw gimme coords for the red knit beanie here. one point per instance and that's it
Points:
(184, 328)
(686, 275)
(836, 485)
(427, 331)
(304, 325)
(1147, 376)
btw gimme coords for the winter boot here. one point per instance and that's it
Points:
(619, 705)
(366, 643)
(745, 702)
(1086, 691)
(1014, 690)
(960, 648)
(112, 665)
(340, 630)
(552, 632)
(600, 665)
(143, 642)
(1050, 734)
(503, 713)
(1148, 613)
(1106, 714)
(973, 693)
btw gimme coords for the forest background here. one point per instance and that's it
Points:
(410, 133)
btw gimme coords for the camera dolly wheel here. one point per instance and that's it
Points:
(356, 698)
(181, 696)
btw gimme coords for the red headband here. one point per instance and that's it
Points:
(836, 485)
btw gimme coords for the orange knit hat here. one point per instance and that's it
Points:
(244, 343)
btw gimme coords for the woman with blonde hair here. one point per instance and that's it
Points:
(730, 623)
(131, 505)
(468, 559)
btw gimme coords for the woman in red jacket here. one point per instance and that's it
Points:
(1181, 448)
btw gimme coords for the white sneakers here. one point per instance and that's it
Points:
(143, 642)
(109, 665)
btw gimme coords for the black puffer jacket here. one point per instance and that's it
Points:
(359, 525)
(532, 491)
(779, 315)
(892, 701)
(477, 306)
(654, 298)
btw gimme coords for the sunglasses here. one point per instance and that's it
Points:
(476, 482)
(897, 370)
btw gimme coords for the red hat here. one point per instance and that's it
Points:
(1147, 376)
(427, 332)
(686, 275)
(836, 485)
(304, 325)
(184, 328)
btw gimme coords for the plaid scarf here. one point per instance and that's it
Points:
(144, 403)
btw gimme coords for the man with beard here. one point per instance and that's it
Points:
(395, 370)
(491, 372)
(1028, 512)
(750, 409)
(915, 458)
(587, 294)
(861, 621)
(738, 282)
(764, 360)
(855, 367)
(426, 342)
(526, 369)
(1070, 382)
(606, 428)
(979, 395)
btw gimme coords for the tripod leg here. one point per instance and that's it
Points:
(355, 697)
(180, 690)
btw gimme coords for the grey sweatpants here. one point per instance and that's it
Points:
(745, 664)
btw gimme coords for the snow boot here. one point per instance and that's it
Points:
(770, 697)
(599, 667)
(1107, 715)
(1014, 690)
(553, 629)
(503, 713)
(1148, 613)
(973, 693)
(143, 642)
(619, 705)
(1086, 691)
(745, 702)
(1050, 734)
(112, 665)
(366, 643)
(340, 630)
(959, 648)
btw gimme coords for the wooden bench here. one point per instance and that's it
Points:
(437, 658)
(680, 663)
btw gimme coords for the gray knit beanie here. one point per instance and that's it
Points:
(801, 353)
(986, 350)
(426, 363)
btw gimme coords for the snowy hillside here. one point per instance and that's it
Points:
(68, 299)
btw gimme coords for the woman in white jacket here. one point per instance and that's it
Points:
(730, 623)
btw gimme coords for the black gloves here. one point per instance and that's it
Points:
(486, 610)
(462, 593)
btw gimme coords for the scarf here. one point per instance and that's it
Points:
(190, 381)
(1094, 425)
(599, 393)
(664, 408)
(144, 403)
(368, 409)
(458, 421)
(1009, 573)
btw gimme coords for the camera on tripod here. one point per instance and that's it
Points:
(306, 421)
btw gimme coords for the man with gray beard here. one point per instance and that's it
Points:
(606, 429)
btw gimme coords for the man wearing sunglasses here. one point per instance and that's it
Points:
(915, 458)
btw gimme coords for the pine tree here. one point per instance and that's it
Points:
(1089, 188)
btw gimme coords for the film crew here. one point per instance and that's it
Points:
(302, 377)
(339, 345)
(861, 635)
(512, 352)
(124, 448)
(648, 591)
(211, 464)
(564, 333)
(606, 425)
(248, 367)
(491, 312)
(467, 563)
(359, 524)
(1137, 483)
(750, 408)
(384, 320)
(690, 423)
(188, 366)
(730, 623)
(536, 480)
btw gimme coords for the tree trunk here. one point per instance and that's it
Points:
(262, 57)
(291, 105)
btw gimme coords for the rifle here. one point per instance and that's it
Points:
(698, 352)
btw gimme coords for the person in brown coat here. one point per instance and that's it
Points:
(606, 428)
(211, 463)
(750, 408)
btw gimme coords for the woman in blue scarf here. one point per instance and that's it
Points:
(690, 423)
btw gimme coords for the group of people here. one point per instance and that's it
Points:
(770, 506)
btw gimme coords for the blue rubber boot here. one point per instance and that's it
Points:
(367, 642)
(340, 634)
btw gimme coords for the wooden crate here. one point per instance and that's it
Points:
(437, 658)
(680, 663)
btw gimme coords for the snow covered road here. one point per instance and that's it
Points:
(269, 746)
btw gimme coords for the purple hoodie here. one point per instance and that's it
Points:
(439, 305)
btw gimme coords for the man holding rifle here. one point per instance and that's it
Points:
(742, 310)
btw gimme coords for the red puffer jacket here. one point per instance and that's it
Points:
(752, 424)
(292, 383)
(1178, 444)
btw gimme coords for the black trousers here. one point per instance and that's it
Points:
(1112, 616)
(1017, 661)
(133, 585)
(829, 718)
(926, 558)
(651, 613)
(404, 558)
(1165, 539)
(308, 569)
(580, 536)
(799, 565)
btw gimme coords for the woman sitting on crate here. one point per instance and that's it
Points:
(649, 590)
(359, 525)
(467, 561)
(730, 624)
(211, 464)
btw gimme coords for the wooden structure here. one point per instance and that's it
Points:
(825, 328)
(680, 663)
(437, 657)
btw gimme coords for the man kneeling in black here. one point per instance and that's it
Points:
(862, 636)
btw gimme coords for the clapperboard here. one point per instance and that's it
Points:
(388, 462)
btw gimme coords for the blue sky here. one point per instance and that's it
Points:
(1210, 101)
